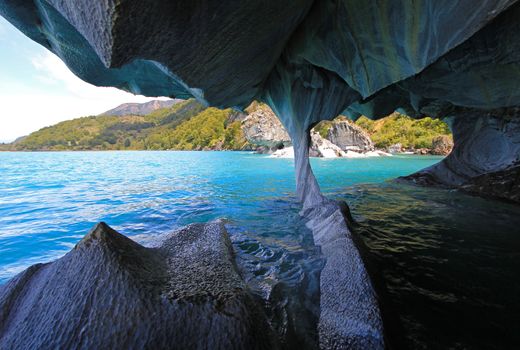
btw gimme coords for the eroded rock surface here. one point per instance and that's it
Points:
(321, 147)
(349, 136)
(349, 316)
(310, 61)
(262, 127)
(111, 293)
(487, 148)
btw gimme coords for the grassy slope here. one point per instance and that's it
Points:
(398, 128)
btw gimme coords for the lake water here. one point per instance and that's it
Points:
(445, 264)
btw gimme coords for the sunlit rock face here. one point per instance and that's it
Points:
(349, 136)
(262, 127)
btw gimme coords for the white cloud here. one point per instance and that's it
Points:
(26, 110)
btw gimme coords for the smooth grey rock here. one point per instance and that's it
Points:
(112, 293)
(349, 136)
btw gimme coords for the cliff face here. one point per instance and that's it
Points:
(309, 61)
(262, 127)
(348, 136)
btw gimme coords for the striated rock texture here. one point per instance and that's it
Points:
(309, 61)
(111, 293)
(262, 127)
(349, 315)
(485, 158)
(349, 136)
(321, 147)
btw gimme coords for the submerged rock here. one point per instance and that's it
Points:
(349, 137)
(110, 292)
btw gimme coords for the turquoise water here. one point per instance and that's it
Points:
(440, 258)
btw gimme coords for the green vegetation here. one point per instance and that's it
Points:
(187, 125)
(323, 127)
(207, 130)
(399, 128)
(190, 126)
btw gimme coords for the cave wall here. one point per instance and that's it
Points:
(311, 60)
(486, 157)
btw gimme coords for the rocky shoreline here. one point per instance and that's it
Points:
(343, 139)
(109, 292)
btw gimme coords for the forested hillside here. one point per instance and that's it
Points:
(188, 125)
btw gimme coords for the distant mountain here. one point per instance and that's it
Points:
(140, 108)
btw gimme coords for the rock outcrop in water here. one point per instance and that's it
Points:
(261, 127)
(111, 293)
(485, 159)
(321, 147)
(349, 137)
(310, 61)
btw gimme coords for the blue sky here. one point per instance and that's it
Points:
(37, 89)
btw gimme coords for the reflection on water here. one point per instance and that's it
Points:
(449, 263)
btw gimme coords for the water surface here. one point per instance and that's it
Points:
(443, 258)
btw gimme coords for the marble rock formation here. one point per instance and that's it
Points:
(309, 61)
(349, 137)
(321, 147)
(261, 127)
(112, 293)
(485, 159)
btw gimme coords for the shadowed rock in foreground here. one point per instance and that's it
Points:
(112, 293)
(349, 310)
